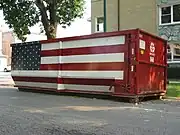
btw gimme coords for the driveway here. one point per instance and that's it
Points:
(24, 113)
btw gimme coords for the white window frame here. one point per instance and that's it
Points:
(96, 19)
(160, 14)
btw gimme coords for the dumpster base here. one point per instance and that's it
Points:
(141, 97)
(93, 94)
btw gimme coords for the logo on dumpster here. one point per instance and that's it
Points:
(152, 52)
(152, 47)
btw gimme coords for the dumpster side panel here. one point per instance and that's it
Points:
(151, 79)
(92, 65)
(129, 86)
(27, 61)
(151, 67)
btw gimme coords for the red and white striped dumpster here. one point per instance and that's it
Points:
(129, 63)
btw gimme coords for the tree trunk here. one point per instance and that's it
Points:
(51, 31)
(50, 26)
(53, 23)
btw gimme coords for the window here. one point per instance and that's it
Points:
(170, 14)
(177, 51)
(166, 15)
(176, 13)
(99, 24)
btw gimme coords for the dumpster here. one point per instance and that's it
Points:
(130, 63)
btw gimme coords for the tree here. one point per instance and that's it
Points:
(20, 15)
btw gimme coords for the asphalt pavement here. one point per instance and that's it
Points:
(23, 113)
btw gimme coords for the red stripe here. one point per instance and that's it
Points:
(107, 66)
(78, 81)
(81, 81)
(35, 79)
(84, 50)
(50, 53)
(36, 88)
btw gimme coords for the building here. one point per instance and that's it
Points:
(7, 40)
(169, 25)
(124, 14)
(3, 61)
(169, 20)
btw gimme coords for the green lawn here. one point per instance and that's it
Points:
(173, 90)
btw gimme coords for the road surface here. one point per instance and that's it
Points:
(24, 113)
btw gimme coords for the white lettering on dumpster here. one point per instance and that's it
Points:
(151, 59)
(152, 52)
(152, 47)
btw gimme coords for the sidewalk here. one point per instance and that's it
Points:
(7, 82)
(6, 79)
(172, 98)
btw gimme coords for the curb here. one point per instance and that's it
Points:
(172, 98)
(6, 85)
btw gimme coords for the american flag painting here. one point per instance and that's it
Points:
(26, 56)
(76, 64)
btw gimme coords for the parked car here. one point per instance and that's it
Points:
(7, 69)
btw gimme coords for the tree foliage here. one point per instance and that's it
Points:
(20, 15)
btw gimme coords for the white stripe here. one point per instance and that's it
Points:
(71, 74)
(65, 86)
(50, 60)
(37, 84)
(110, 57)
(85, 87)
(34, 73)
(93, 74)
(51, 46)
(106, 41)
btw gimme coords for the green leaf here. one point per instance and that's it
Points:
(20, 15)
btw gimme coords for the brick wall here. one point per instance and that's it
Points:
(7, 38)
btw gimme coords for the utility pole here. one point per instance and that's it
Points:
(105, 15)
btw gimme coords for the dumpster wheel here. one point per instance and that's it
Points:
(161, 97)
(134, 100)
